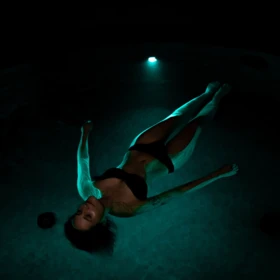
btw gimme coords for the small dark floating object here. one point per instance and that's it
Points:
(253, 61)
(46, 220)
(270, 224)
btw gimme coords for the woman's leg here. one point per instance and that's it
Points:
(163, 129)
(182, 145)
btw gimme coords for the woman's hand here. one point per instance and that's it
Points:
(87, 127)
(228, 170)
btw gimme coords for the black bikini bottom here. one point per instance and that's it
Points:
(158, 150)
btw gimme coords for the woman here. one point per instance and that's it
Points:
(122, 191)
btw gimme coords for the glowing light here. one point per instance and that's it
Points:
(152, 59)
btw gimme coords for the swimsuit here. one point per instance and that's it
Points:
(136, 183)
(158, 150)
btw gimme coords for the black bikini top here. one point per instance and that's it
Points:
(136, 183)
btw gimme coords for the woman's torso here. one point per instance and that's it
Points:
(122, 198)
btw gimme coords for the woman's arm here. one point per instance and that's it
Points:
(83, 158)
(225, 171)
(163, 198)
(83, 145)
(84, 183)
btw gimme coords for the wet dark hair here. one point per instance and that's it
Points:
(100, 238)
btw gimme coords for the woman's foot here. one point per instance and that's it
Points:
(224, 90)
(212, 87)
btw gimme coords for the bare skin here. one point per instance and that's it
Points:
(117, 198)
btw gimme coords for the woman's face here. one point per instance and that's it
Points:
(88, 214)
